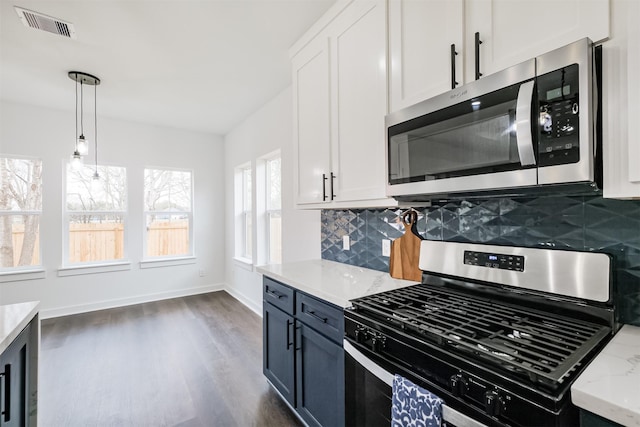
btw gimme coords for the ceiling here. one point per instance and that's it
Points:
(202, 65)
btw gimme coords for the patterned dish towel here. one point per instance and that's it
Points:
(413, 406)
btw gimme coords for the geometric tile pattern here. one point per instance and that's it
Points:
(585, 223)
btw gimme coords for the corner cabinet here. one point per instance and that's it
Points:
(421, 36)
(19, 379)
(339, 104)
(303, 356)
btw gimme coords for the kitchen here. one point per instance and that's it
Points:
(588, 222)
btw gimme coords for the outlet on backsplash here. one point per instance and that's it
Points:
(386, 247)
(346, 243)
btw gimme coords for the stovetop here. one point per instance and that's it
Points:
(536, 346)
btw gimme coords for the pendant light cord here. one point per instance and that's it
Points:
(75, 136)
(95, 121)
(81, 109)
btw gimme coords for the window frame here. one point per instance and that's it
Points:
(68, 268)
(32, 271)
(269, 211)
(165, 260)
(243, 215)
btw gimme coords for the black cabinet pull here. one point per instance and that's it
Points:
(454, 83)
(6, 392)
(313, 314)
(324, 187)
(274, 294)
(478, 43)
(298, 338)
(332, 178)
(289, 324)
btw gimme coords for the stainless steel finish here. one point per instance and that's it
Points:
(513, 75)
(510, 179)
(524, 138)
(579, 53)
(583, 275)
(449, 414)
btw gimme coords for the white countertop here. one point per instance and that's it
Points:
(610, 386)
(332, 281)
(13, 319)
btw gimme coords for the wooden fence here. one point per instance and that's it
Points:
(105, 241)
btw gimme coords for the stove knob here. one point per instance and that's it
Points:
(459, 385)
(493, 403)
(359, 335)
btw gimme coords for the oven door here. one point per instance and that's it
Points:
(478, 137)
(368, 394)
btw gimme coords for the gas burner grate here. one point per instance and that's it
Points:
(544, 347)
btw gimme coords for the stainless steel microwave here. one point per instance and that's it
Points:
(524, 128)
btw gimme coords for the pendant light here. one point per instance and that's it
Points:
(81, 143)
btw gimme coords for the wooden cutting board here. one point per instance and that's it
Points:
(405, 251)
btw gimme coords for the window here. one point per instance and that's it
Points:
(273, 210)
(20, 211)
(247, 223)
(95, 215)
(168, 213)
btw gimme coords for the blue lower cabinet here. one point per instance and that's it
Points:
(303, 356)
(319, 378)
(279, 351)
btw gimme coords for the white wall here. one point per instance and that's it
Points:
(267, 130)
(48, 134)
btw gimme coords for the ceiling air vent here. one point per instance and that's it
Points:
(46, 23)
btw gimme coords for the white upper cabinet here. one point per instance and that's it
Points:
(517, 30)
(621, 108)
(359, 101)
(420, 37)
(311, 121)
(511, 31)
(340, 101)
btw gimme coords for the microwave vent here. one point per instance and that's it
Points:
(46, 23)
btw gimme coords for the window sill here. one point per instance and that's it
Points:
(244, 263)
(94, 268)
(14, 276)
(167, 262)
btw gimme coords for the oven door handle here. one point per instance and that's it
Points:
(450, 415)
(524, 117)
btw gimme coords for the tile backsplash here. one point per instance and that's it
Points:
(586, 223)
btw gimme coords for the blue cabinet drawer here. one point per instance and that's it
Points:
(278, 295)
(321, 316)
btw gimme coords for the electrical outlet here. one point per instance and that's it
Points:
(386, 247)
(346, 243)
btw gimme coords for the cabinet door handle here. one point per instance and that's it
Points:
(298, 338)
(454, 83)
(332, 178)
(313, 314)
(324, 187)
(289, 324)
(478, 43)
(274, 294)
(6, 393)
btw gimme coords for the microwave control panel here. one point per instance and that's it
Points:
(492, 260)
(559, 120)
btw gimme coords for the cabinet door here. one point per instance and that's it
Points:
(278, 351)
(320, 378)
(420, 37)
(359, 101)
(311, 118)
(514, 31)
(13, 382)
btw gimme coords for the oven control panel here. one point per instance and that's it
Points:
(494, 260)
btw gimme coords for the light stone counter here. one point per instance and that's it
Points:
(610, 386)
(13, 319)
(332, 281)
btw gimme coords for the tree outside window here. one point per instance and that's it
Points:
(168, 213)
(95, 214)
(20, 211)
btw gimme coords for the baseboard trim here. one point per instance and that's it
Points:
(244, 300)
(122, 302)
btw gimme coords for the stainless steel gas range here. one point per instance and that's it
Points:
(499, 333)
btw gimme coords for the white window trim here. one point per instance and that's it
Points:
(150, 262)
(167, 262)
(263, 213)
(92, 268)
(26, 274)
(240, 257)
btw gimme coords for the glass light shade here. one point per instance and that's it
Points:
(83, 146)
(76, 161)
(96, 176)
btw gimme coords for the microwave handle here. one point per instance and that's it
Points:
(523, 124)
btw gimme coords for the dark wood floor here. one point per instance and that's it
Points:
(193, 361)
